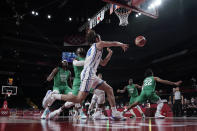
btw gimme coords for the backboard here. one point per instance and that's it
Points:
(145, 7)
(9, 90)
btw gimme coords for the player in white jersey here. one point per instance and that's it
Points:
(88, 75)
(98, 99)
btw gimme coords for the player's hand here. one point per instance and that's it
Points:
(118, 91)
(178, 83)
(124, 47)
(109, 50)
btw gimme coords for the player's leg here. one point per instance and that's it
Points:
(132, 100)
(99, 111)
(47, 111)
(110, 96)
(138, 107)
(92, 104)
(140, 99)
(57, 112)
(141, 112)
(155, 98)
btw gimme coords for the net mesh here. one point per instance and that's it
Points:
(123, 14)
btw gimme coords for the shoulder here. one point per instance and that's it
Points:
(99, 45)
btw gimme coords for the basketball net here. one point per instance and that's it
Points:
(9, 94)
(123, 14)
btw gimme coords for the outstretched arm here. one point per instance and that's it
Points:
(100, 45)
(122, 91)
(107, 58)
(138, 86)
(52, 75)
(167, 82)
(78, 63)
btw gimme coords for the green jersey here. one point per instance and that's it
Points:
(78, 69)
(149, 83)
(61, 77)
(133, 92)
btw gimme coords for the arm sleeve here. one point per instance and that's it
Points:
(78, 63)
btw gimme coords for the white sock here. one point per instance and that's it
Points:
(68, 104)
(139, 109)
(113, 109)
(59, 110)
(159, 107)
(57, 96)
(132, 112)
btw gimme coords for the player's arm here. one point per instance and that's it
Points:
(167, 82)
(52, 75)
(78, 63)
(100, 45)
(138, 86)
(107, 58)
(122, 91)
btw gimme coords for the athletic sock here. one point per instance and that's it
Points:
(132, 112)
(57, 96)
(139, 109)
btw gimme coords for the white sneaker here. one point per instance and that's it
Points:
(45, 113)
(48, 101)
(117, 115)
(99, 116)
(54, 114)
(158, 115)
(44, 104)
(82, 115)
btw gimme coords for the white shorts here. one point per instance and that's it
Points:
(92, 82)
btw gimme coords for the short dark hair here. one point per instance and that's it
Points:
(148, 73)
(91, 37)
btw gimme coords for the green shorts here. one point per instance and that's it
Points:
(62, 89)
(147, 95)
(76, 86)
(132, 100)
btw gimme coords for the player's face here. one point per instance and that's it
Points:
(130, 81)
(64, 64)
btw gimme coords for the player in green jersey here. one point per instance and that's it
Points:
(61, 76)
(78, 63)
(148, 92)
(133, 93)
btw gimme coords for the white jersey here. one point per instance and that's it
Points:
(92, 61)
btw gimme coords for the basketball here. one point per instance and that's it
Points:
(140, 41)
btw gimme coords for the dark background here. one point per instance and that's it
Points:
(30, 46)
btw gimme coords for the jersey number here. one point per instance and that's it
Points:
(148, 82)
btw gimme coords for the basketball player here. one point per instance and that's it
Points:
(148, 92)
(88, 75)
(99, 99)
(78, 64)
(61, 76)
(133, 93)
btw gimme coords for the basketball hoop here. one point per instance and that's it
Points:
(123, 14)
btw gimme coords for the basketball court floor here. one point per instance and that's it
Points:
(70, 124)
